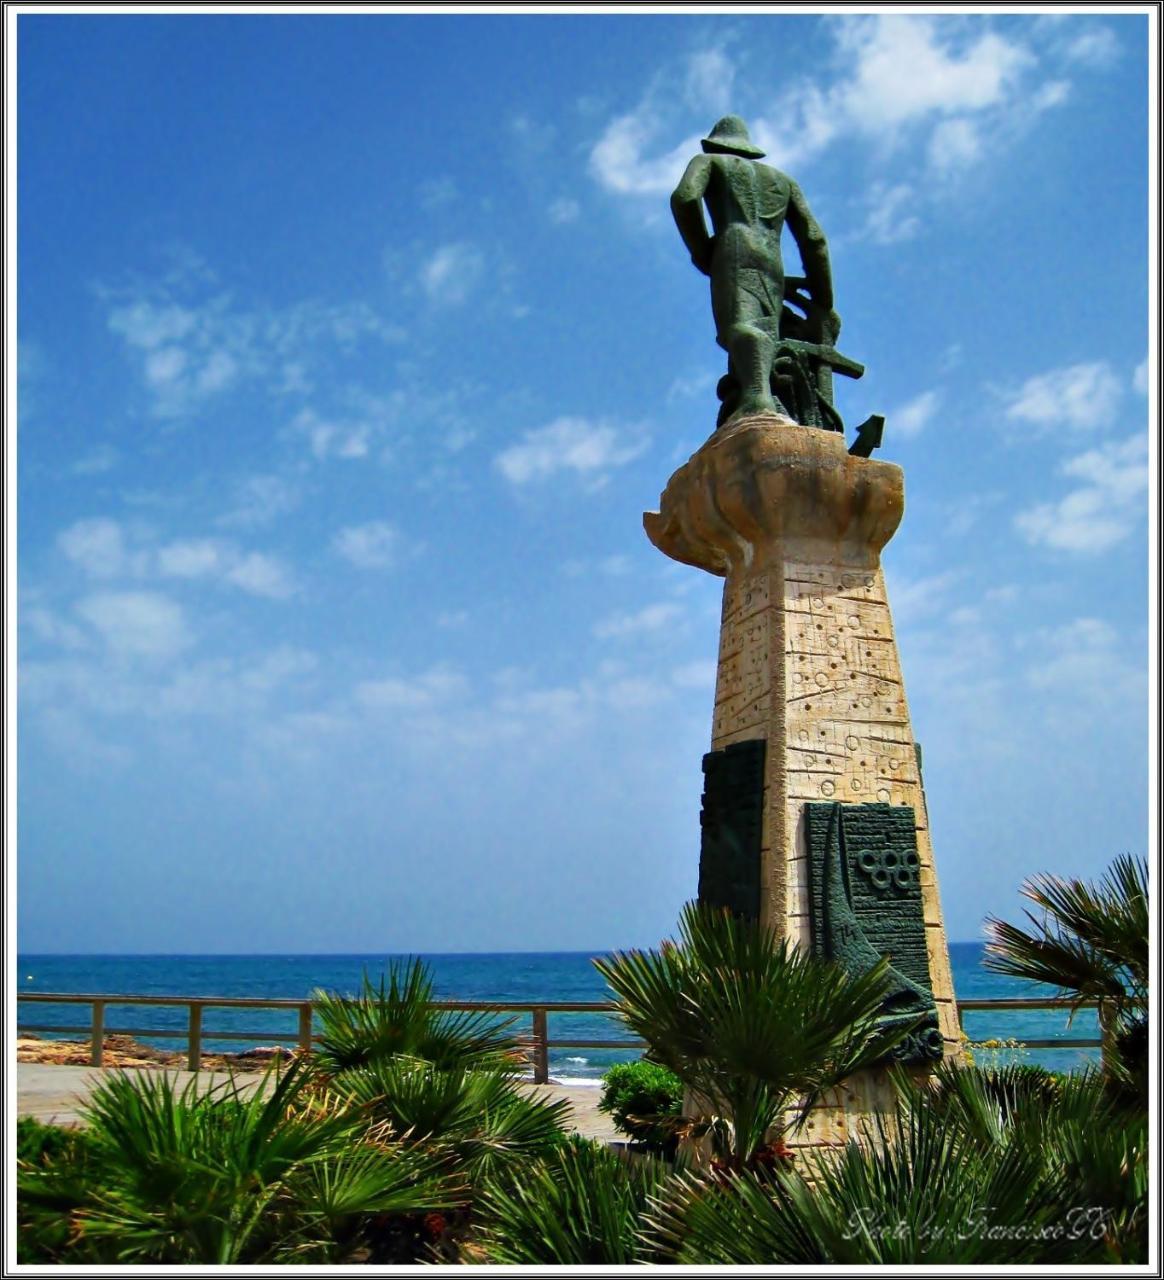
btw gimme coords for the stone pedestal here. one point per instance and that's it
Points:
(808, 663)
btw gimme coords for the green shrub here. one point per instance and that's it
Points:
(644, 1100)
(580, 1206)
(37, 1142)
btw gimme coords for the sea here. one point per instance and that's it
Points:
(525, 977)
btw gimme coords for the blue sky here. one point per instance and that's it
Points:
(352, 349)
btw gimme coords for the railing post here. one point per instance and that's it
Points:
(305, 1028)
(97, 1034)
(541, 1049)
(194, 1044)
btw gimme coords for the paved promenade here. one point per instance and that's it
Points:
(52, 1093)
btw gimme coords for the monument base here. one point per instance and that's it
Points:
(808, 665)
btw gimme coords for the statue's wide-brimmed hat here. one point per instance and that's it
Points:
(731, 134)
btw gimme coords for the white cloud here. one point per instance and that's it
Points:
(911, 418)
(97, 461)
(165, 366)
(451, 274)
(618, 159)
(710, 81)
(889, 219)
(954, 145)
(149, 325)
(1086, 662)
(333, 439)
(436, 687)
(945, 84)
(650, 618)
(260, 499)
(192, 558)
(903, 69)
(136, 623)
(47, 626)
(1106, 507)
(695, 675)
(564, 210)
(1052, 94)
(692, 385)
(191, 345)
(591, 449)
(374, 545)
(101, 548)
(916, 598)
(261, 575)
(1096, 47)
(613, 566)
(1078, 396)
(1140, 377)
(97, 546)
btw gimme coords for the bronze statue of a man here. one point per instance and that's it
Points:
(749, 203)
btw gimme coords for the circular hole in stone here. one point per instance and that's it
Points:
(808, 706)
(890, 858)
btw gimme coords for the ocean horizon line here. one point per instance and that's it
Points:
(341, 955)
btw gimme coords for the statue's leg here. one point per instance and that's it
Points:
(746, 327)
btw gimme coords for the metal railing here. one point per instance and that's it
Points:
(537, 1043)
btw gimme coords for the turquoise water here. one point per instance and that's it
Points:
(568, 976)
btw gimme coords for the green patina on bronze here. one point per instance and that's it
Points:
(865, 903)
(779, 332)
(731, 828)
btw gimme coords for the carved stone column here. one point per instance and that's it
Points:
(808, 666)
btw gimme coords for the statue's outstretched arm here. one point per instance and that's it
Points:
(814, 249)
(687, 210)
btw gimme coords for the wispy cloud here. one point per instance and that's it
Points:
(452, 273)
(191, 341)
(332, 438)
(1140, 377)
(945, 88)
(564, 210)
(590, 449)
(1096, 47)
(106, 549)
(651, 618)
(912, 418)
(137, 624)
(1078, 396)
(260, 499)
(261, 575)
(98, 547)
(97, 461)
(436, 687)
(374, 545)
(1087, 664)
(1105, 507)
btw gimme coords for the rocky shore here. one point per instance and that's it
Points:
(125, 1051)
